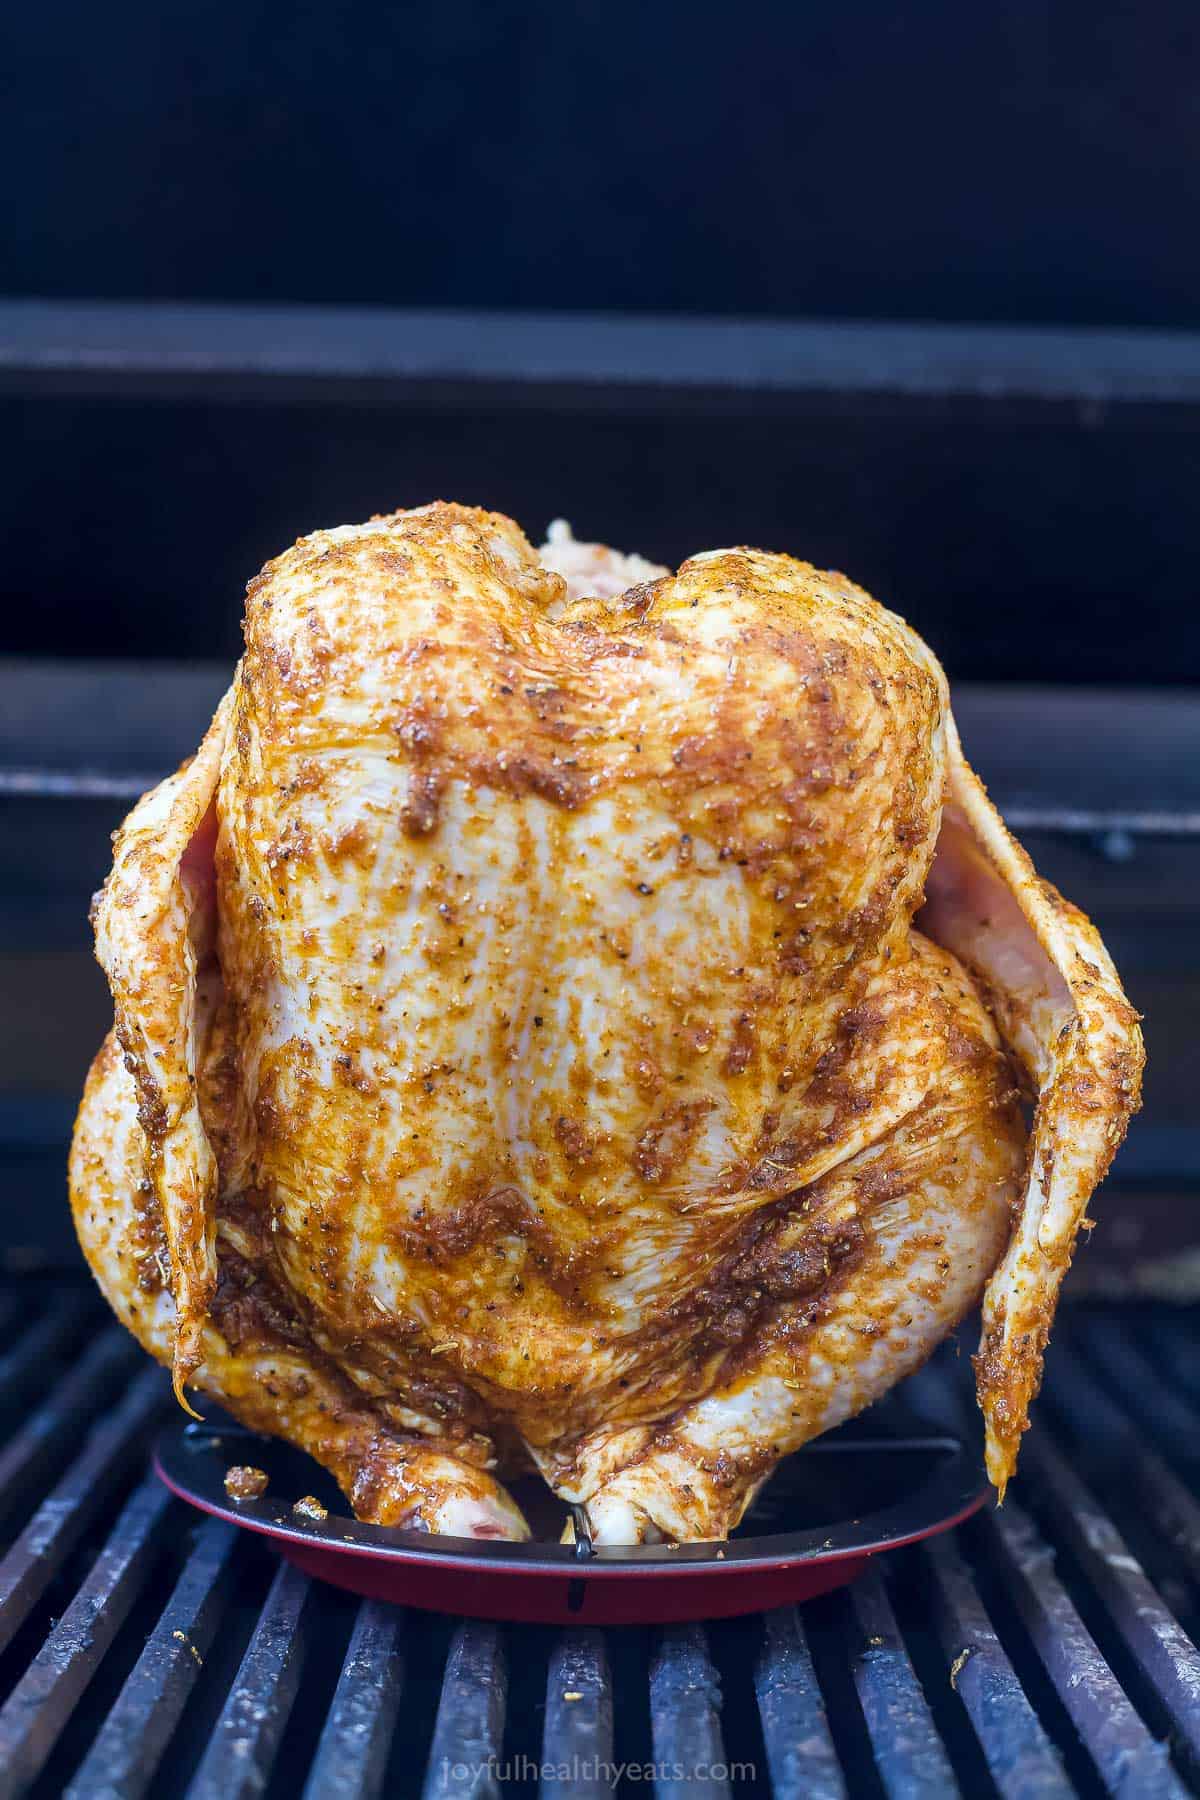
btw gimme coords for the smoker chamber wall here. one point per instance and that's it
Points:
(1025, 497)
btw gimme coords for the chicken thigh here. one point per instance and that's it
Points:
(574, 1016)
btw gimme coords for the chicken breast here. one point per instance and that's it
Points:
(529, 1054)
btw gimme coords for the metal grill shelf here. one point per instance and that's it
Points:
(1047, 1649)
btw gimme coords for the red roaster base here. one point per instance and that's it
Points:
(886, 1481)
(622, 1598)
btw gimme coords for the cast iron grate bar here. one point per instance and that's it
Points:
(1163, 1412)
(1145, 1626)
(65, 1514)
(1127, 1759)
(1042, 1650)
(1023, 1762)
(578, 1731)
(352, 1754)
(464, 1757)
(1110, 1444)
(26, 1366)
(911, 1759)
(239, 1759)
(685, 1717)
(801, 1757)
(125, 1757)
(10, 1313)
(52, 1686)
(48, 1434)
(1173, 1349)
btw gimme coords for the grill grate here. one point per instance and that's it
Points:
(1041, 1650)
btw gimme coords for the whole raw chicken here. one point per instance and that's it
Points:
(572, 1015)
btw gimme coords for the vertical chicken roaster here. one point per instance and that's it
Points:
(575, 1016)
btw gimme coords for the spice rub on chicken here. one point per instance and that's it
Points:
(571, 1014)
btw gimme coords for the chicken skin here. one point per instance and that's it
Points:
(573, 1016)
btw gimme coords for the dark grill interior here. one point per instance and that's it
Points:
(1044, 1649)
(1026, 498)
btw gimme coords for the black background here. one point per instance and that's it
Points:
(1022, 161)
(1018, 163)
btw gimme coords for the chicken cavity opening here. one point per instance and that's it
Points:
(593, 571)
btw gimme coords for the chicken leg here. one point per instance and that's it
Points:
(252, 1356)
(897, 1241)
